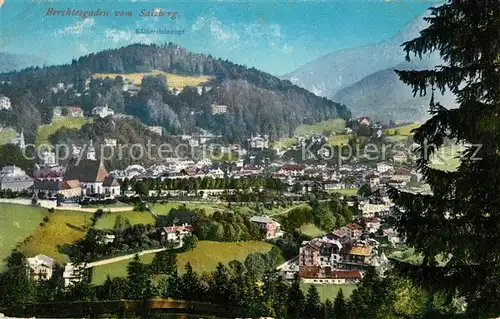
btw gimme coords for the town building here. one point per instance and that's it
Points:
(258, 142)
(329, 275)
(91, 175)
(15, 179)
(4, 103)
(269, 226)
(218, 109)
(356, 254)
(54, 187)
(41, 267)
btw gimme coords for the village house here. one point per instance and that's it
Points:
(292, 169)
(333, 184)
(384, 167)
(401, 175)
(41, 267)
(258, 142)
(364, 121)
(4, 103)
(269, 226)
(356, 254)
(111, 142)
(72, 273)
(371, 207)
(176, 234)
(218, 109)
(102, 111)
(156, 129)
(339, 234)
(353, 231)
(75, 111)
(399, 157)
(15, 179)
(372, 224)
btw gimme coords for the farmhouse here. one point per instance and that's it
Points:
(41, 267)
(269, 226)
(176, 234)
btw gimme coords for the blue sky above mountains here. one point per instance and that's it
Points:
(274, 36)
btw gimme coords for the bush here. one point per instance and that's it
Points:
(46, 219)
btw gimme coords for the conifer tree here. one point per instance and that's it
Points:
(313, 303)
(296, 300)
(328, 309)
(456, 227)
(339, 306)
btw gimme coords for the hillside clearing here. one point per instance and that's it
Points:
(45, 131)
(333, 125)
(204, 258)
(62, 228)
(6, 135)
(173, 80)
(107, 221)
(311, 230)
(210, 208)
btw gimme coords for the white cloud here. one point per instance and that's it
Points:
(77, 28)
(240, 35)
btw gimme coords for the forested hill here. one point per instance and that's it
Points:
(257, 102)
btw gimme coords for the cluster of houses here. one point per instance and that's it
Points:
(340, 257)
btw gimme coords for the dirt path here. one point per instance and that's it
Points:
(120, 258)
(91, 210)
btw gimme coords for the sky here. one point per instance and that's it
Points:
(273, 36)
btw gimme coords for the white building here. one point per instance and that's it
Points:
(110, 142)
(156, 129)
(72, 274)
(41, 267)
(218, 109)
(384, 167)
(258, 142)
(4, 102)
(102, 111)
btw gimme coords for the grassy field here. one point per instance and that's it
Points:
(447, 158)
(45, 131)
(329, 291)
(62, 228)
(282, 210)
(173, 80)
(17, 223)
(312, 230)
(107, 221)
(203, 258)
(336, 125)
(210, 208)
(403, 132)
(340, 139)
(345, 191)
(6, 135)
(284, 143)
